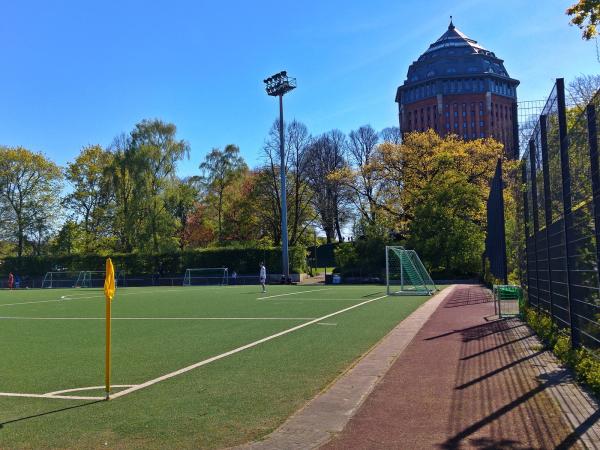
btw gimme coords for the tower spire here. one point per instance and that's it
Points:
(451, 26)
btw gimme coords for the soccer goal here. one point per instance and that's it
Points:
(62, 279)
(206, 276)
(405, 273)
(95, 278)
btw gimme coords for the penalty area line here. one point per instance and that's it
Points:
(292, 293)
(237, 350)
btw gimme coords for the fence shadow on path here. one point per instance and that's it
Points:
(505, 393)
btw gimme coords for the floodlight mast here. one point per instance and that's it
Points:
(277, 86)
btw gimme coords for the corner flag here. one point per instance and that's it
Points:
(109, 293)
(109, 280)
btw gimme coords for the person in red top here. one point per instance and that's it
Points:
(11, 280)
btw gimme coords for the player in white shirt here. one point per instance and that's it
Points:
(263, 276)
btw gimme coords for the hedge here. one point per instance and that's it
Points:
(242, 260)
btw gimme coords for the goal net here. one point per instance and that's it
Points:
(406, 274)
(95, 278)
(62, 279)
(206, 276)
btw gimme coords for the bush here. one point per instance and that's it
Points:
(583, 361)
(241, 259)
(363, 257)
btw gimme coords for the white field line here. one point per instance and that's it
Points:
(320, 299)
(70, 297)
(156, 318)
(237, 350)
(59, 394)
(62, 397)
(292, 293)
(327, 323)
(91, 388)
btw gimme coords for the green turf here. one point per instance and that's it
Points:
(227, 402)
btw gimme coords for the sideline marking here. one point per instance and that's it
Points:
(157, 318)
(292, 293)
(236, 350)
(327, 323)
(70, 297)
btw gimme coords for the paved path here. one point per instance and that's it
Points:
(470, 381)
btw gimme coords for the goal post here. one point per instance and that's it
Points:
(95, 278)
(206, 276)
(405, 273)
(60, 279)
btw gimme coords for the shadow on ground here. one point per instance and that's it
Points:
(502, 398)
(46, 413)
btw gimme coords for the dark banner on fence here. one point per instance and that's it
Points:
(495, 240)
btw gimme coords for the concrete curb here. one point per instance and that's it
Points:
(329, 412)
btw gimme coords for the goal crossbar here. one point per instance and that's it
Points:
(206, 276)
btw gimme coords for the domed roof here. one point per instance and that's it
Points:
(455, 54)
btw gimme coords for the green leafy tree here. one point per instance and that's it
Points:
(30, 186)
(181, 202)
(445, 229)
(127, 217)
(156, 151)
(92, 194)
(219, 171)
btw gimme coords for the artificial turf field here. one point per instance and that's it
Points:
(53, 341)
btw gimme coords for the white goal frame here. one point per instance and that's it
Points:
(86, 278)
(219, 280)
(60, 279)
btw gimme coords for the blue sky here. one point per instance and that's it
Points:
(75, 73)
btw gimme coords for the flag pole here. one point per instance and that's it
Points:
(107, 368)
(109, 293)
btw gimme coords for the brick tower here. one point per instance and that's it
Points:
(459, 87)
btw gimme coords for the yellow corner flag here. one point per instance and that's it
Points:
(109, 280)
(109, 293)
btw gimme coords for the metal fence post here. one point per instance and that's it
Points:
(536, 221)
(547, 203)
(595, 168)
(566, 197)
(528, 262)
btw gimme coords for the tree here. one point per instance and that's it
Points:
(30, 186)
(181, 202)
(68, 239)
(362, 145)
(155, 151)
(325, 156)
(445, 230)
(91, 195)
(298, 192)
(586, 15)
(391, 135)
(219, 171)
(582, 89)
(127, 218)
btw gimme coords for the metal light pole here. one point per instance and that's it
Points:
(277, 86)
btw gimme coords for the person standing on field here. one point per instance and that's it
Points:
(263, 277)
(11, 280)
